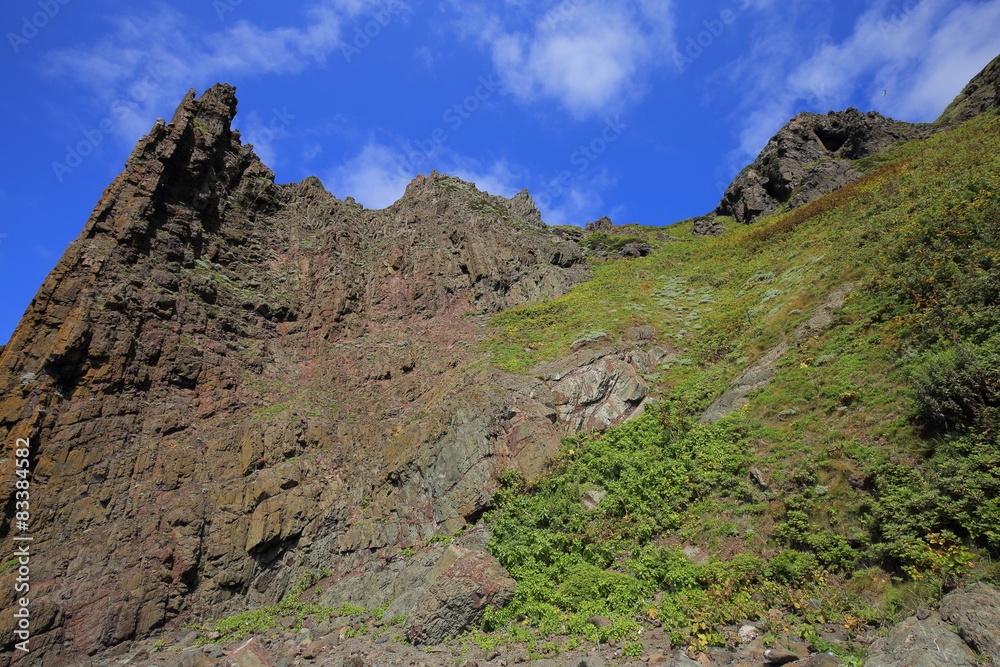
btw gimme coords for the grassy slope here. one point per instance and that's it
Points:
(883, 479)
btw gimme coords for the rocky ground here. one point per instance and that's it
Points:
(328, 645)
(962, 631)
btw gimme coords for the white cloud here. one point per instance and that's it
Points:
(378, 175)
(590, 56)
(375, 177)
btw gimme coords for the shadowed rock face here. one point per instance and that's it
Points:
(226, 382)
(810, 157)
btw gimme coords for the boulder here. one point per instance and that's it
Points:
(251, 653)
(466, 583)
(602, 224)
(921, 643)
(975, 611)
(707, 227)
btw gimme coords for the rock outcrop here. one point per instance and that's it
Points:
(962, 632)
(980, 95)
(227, 382)
(461, 586)
(812, 155)
(595, 388)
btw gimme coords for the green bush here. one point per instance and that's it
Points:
(956, 388)
(793, 567)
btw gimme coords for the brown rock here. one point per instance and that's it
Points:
(251, 653)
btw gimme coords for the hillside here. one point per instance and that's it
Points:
(255, 409)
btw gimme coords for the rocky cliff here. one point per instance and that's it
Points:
(812, 155)
(227, 382)
(979, 96)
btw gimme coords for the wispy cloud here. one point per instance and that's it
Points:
(151, 57)
(920, 53)
(590, 56)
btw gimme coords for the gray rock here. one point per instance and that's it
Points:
(707, 227)
(602, 224)
(809, 157)
(777, 656)
(682, 660)
(975, 611)
(594, 389)
(636, 250)
(921, 643)
(591, 499)
(747, 633)
(466, 582)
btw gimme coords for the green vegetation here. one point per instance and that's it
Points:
(267, 618)
(879, 436)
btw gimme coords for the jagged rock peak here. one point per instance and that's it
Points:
(810, 157)
(979, 96)
(218, 104)
(444, 188)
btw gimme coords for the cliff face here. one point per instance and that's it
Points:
(227, 381)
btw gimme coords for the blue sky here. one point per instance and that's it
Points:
(642, 110)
